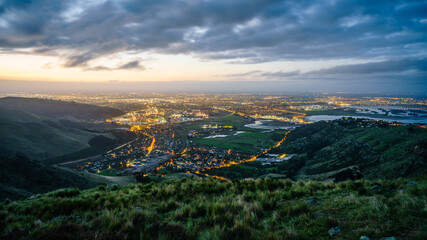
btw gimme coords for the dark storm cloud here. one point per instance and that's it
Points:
(238, 31)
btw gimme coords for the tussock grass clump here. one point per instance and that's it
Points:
(217, 209)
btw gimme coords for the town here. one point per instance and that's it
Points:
(195, 133)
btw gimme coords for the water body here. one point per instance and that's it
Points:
(261, 124)
(386, 110)
(223, 135)
(408, 120)
(239, 132)
(217, 136)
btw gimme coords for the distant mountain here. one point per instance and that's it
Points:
(55, 109)
(21, 177)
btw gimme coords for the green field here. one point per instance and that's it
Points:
(224, 118)
(249, 142)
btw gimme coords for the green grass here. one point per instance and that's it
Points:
(245, 142)
(246, 167)
(222, 119)
(216, 209)
(249, 142)
(253, 170)
(234, 120)
(379, 151)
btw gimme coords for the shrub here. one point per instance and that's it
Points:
(293, 210)
(67, 192)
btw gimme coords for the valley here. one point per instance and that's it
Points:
(278, 164)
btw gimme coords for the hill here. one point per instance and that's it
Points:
(39, 135)
(39, 139)
(55, 110)
(46, 129)
(375, 149)
(21, 177)
(216, 209)
(344, 149)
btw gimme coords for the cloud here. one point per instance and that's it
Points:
(131, 65)
(280, 74)
(401, 68)
(245, 74)
(259, 75)
(389, 66)
(98, 68)
(237, 31)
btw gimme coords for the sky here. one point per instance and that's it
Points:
(221, 45)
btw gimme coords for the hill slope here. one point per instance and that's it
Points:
(22, 132)
(343, 149)
(214, 209)
(54, 110)
(21, 177)
(377, 150)
(45, 129)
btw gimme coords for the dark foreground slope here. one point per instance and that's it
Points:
(22, 178)
(216, 209)
(54, 109)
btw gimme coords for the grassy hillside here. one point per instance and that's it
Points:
(25, 133)
(49, 142)
(215, 209)
(21, 177)
(41, 141)
(341, 149)
(45, 129)
(19, 116)
(54, 109)
(377, 150)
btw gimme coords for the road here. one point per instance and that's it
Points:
(88, 158)
(79, 160)
(152, 164)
